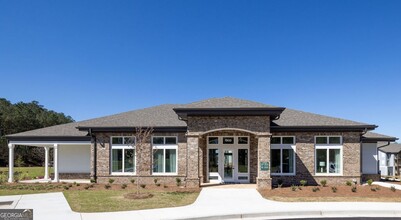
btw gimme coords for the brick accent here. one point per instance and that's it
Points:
(305, 159)
(374, 177)
(74, 175)
(263, 180)
(192, 179)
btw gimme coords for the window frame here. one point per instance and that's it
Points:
(329, 147)
(282, 147)
(123, 147)
(165, 147)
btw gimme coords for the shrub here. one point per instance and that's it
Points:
(315, 189)
(157, 184)
(373, 189)
(334, 189)
(132, 181)
(78, 184)
(87, 187)
(66, 187)
(348, 183)
(143, 186)
(178, 181)
(165, 186)
(124, 186)
(353, 189)
(370, 181)
(91, 185)
(293, 187)
(70, 185)
(392, 188)
(107, 186)
(303, 182)
(93, 181)
(155, 180)
(111, 181)
(323, 183)
(279, 183)
(75, 183)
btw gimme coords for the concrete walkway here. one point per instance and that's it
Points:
(212, 203)
(388, 185)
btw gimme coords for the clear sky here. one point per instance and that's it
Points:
(87, 59)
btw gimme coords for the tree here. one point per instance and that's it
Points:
(20, 117)
(142, 141)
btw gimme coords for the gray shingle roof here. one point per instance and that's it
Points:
(226, 102)
(393, 148)
(164, 116)
(374, 135)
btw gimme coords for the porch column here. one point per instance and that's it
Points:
(46, 163)
(10, 163)
(192, 179)
(55, 162)
(264, 180)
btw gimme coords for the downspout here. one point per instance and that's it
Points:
(94, 154)
(377, 153)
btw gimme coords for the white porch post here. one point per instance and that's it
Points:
(10, 163)
(55, 162)
(46, 163)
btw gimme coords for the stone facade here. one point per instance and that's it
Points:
(208, 123)
(305, 159)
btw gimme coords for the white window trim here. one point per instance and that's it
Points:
(164, 147)
(281, 147)
(123, 147)
(328, 147)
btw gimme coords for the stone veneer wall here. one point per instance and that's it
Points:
(305, 159)
(145, 172)
(253, 152)
(207, 123)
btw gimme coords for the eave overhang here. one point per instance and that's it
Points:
(183, 113)
(132, 129)
(48, 138)
(331, 128)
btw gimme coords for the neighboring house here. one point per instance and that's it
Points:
(215, 140)
(390, 159)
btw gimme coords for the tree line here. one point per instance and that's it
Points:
(20, 117)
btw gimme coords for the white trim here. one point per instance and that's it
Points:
(165, 147)
(328, 137)
(329, 147)
(48, 143)
(122, 147)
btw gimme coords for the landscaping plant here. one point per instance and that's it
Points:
(111, 181)
(279, 183)
(303, 182)
(178, 181)
(323, 183)
(123, 186)
(353, 189)
(143, 186)
(315, 189)
(369, 182)
(392, 188)
(293, 187)
(334, 189)
(107, 186)
(132, 181)
(348, 183)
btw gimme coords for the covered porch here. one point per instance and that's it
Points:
(71, 160)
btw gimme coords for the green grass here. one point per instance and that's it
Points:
(113, 200)
(33, 172)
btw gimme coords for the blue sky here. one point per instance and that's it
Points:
(95, 58)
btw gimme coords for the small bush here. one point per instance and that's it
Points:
(165, 186)
(66, 187)
(78, 184)
(303, 182)
(132, 181)
(369, 182)
(107, 186)
(348, 183)
(373, 189)
(155, 180)
(93, 181)
(91, 185)
(87, 187)
(315, 189)
(143, 186)
(334, 189)
(293, 187)
(279, 183)
(124, 186)
(111, 181)
(353, 189)
(75, 183)
(178, 181)
(70, 185)
(157, 184)
(323, 183)
(392, 188)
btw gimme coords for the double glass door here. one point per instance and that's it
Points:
(229, 164)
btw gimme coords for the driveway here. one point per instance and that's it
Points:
(224, 202)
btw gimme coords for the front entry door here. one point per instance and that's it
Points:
(228, 165)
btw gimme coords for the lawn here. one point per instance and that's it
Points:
(32, 172)
(329, 194)
(96, 198)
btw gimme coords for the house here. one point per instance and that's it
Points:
(390, 159)
(222, 140)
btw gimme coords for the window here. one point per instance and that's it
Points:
(122, 155)
(282, 156)
(228, 140)
(164, 155)
(328, 155)
(213, 140)
(242, 140)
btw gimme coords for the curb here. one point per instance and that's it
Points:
(300, 214)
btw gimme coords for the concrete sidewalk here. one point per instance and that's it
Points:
(212, 203)
(388, 185)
